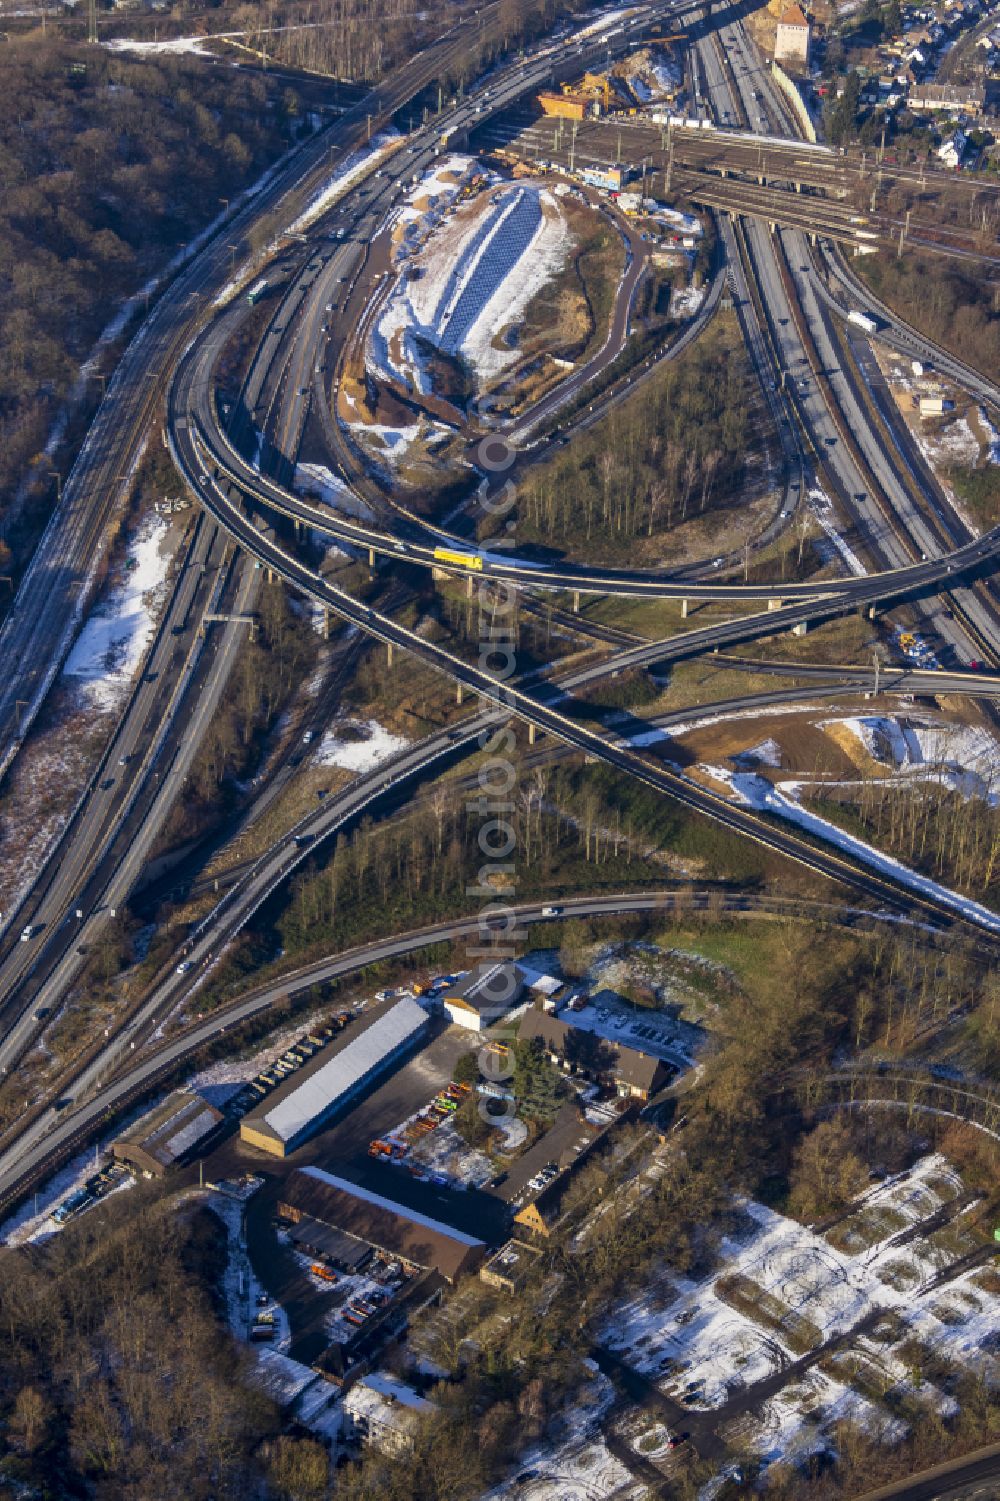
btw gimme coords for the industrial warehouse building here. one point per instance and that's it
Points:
(403, 1234)
(167, 1134)
(304, 1102)
(484, 995)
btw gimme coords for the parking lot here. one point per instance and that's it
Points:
(343, 1148)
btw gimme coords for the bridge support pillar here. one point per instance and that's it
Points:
(459, 694)
(371, 560)
(684, 609)
(774, 604)
(801, 628)
(798, 187)
(532, 734)
(576, 601)
(871, 613)
(388, 653)
(468, 586)
(326, 624)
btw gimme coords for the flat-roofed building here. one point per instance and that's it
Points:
(791, 43)
(168, 1134)
(304, 1102)
(510, 1266)
(401, 1233)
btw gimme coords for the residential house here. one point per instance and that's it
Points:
(384, 1412)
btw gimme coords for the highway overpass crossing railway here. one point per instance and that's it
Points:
(779, 180)
(121, 812)
(193, 423)
(210, 458)
(492, 690)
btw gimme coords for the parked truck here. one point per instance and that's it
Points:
(862, 320)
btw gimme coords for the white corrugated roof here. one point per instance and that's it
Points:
(318, 1092)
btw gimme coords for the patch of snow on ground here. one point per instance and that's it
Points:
(757, 793)
(441, 1152)
(33, 1222)
(688, 223)
(694, 1344)
(173, 46)
(109, 649)
(992, 436)
(766, 753)
(668, 75)
(471, 289)
(372, 746)
(881, 737)
(241, 1288)
(601, 24)
(954, 444)
(576, 1464)
(684, 303)
(346, 173)
(820, 507)
(963, 757)
(217, 1081)
(318, 482)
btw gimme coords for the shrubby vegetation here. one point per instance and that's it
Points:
(269, 672)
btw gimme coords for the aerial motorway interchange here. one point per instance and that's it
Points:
(921, 550)
(311, 317)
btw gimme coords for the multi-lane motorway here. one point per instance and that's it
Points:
(920, 550)
(55, 589)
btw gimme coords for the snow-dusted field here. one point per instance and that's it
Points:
(464, 290)
(367, 748)
(963, 757)
(114, 638)
(578, 1465)
(171, 47)
(703, 1350)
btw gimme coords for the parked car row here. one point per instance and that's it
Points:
(293, 1058)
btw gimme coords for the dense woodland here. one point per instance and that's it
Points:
(675, 450)
(361, 39)
(949, 835)
(952, 304)
(107, 166)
